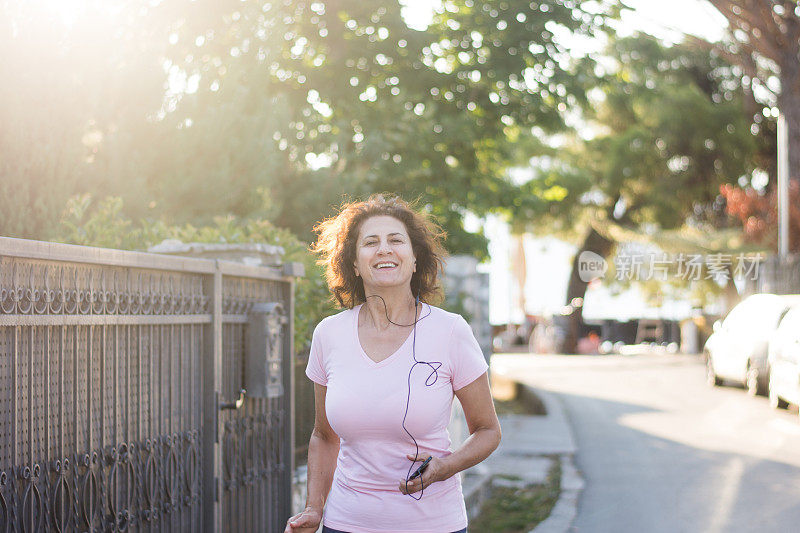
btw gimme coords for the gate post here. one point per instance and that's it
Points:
(212, 388)
(293, 270)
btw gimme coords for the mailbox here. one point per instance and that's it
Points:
(263, 372)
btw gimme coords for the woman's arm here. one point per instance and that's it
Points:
(484, 429)
(323, 448)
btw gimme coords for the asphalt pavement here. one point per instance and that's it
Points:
(659, 450)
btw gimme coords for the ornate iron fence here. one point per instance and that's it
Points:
(118, 375)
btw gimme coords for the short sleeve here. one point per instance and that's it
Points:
(315, 369)
(466, 357)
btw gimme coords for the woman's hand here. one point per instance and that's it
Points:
(437, 470)
(305, 522)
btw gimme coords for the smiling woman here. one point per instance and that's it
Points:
(386, 371)
(338, 243)
(385, 257)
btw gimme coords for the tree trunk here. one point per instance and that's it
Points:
(732, 296)
(594, 242)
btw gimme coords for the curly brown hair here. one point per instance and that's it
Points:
(336, 246)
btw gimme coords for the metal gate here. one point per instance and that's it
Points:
(120, 380)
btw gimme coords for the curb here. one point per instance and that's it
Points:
(566, 508)
(572, 484)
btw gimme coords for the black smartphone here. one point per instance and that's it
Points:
(418, 472)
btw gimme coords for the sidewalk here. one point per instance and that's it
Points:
(526, 451)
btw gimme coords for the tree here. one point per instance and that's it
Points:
(765, 43)
(672, 130)
(437, 114)
(190, 109)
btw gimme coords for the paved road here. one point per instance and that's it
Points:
(662, 452)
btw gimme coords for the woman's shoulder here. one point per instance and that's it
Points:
(335, 321)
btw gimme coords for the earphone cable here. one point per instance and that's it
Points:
(434, 366)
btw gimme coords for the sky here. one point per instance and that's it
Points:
(665, 19)
(548, 259)
(671, 18)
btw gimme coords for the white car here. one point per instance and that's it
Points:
(784, 361)
(737, 350)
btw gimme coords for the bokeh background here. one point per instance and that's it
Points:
(128, 122)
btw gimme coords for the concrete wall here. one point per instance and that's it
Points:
(467, 292)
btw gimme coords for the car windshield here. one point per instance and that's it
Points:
(761, 313)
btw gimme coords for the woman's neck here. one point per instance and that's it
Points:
(385, 307)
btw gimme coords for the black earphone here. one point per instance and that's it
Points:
(434, 366)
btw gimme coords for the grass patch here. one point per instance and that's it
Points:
(508, 477)
(511, 510)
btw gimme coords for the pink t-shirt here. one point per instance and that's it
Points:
(365, 403)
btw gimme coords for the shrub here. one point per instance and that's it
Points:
(105, 225)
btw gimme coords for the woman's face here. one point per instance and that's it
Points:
(384, 255)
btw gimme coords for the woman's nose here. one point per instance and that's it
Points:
(384, 247)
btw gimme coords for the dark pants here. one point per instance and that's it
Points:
(326, 529)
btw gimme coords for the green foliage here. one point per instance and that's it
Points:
(678, 131)
(672, 130)
(454, 302)
(106, 225)
(668, 127)
(276, 110)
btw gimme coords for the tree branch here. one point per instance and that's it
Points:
(735, 10)
(751, 17)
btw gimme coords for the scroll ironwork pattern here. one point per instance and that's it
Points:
(239, 294)
(39, 288)
(103, 363)
(124, 486)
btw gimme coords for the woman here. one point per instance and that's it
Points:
(385, 372)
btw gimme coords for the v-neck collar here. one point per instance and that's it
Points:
(370, 360)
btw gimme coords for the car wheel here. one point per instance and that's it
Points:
(775, 401)
(711, 377)
(753, 382)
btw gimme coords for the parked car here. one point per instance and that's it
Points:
(737, 350)
(784, 361)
